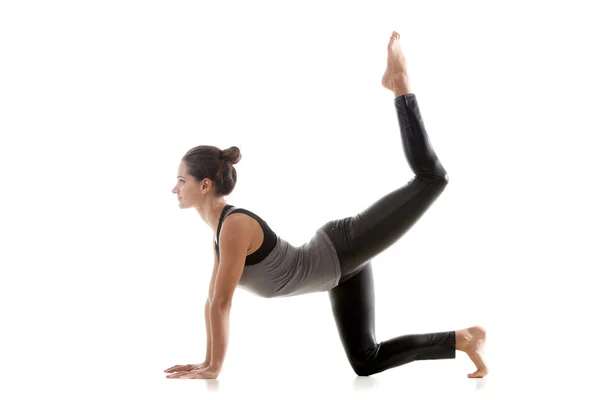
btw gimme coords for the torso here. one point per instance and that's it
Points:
(273, 267)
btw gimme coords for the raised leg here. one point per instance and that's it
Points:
(363, 236)
(359, 238)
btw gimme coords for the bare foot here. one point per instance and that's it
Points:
(395, 77)
(471, 341)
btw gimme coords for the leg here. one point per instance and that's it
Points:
(353, 306)
(359, 238)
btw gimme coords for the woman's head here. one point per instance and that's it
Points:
(206, 171)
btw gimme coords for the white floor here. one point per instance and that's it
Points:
(86, 371)
(445, 380)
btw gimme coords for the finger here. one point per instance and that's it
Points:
(186, 367)
(176, 374)
(177, 368)
(191, 376)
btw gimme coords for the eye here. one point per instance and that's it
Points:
(180, 180)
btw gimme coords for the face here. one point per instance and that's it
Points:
(190, 193)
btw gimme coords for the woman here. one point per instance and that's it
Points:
(248, 254)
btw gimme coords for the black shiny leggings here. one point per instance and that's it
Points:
(359, 238)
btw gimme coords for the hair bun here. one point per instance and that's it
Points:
(232, 154)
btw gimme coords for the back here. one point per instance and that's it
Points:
(289, 270)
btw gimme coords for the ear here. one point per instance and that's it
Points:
(206, 185)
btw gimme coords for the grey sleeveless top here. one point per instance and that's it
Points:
(280, 269)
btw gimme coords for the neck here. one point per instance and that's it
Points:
(211, 212)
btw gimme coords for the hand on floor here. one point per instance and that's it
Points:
(204, 373)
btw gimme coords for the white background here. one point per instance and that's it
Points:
(103, 277)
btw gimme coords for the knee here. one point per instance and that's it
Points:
(360, 369)
(441, 176)
(363, 361)
(443, 179)
(438, 180)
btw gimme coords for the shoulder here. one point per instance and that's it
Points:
(237, 227)
(236, 219)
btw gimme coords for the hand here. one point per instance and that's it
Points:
(187, 367)
(206, 373)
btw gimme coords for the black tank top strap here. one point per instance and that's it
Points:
(226, 211)
(269, 240)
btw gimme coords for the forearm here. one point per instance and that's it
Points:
(219, 323)
(208, 358)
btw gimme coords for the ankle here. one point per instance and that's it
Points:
(401, 86)
(462, 340)
(402, 92)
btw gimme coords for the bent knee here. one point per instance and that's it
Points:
(362, 371)
(438, 179)
(363, 362)
(443, 179)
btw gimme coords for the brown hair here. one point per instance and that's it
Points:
(216, 164)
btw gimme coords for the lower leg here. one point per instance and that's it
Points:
(419, 153)
(353, 307)
(425, 346)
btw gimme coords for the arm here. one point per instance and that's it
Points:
(234, 243)
(211, 290)
(208, 356)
